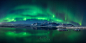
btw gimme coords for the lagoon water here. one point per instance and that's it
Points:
(25, 35)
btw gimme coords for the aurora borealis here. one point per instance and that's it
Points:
(57, 11)
(30, 12)
(50, 10)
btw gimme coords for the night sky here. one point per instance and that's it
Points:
(51, 10)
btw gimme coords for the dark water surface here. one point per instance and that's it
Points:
(25, 35)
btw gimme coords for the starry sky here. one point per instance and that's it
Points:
(50, 10)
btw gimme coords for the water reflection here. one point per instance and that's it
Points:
(30, 34)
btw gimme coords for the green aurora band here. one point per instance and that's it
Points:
(35, 12)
